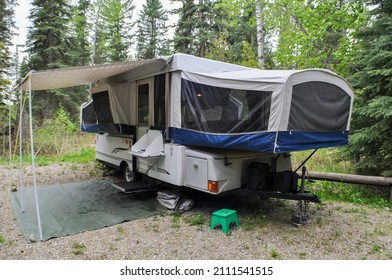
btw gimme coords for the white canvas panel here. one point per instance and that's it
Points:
(231, 80)
(276, 108)
(322, 75)
(192, 63)
(175, 100)
(120, 102)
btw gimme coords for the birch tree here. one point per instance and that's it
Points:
(260, 34)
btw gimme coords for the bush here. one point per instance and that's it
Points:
(53, 137)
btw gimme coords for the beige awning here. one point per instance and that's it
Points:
(76, 76)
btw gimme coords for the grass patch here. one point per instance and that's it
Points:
(2, 239)
(78, 248)
(375, 248)
(274, 254)
(176, 220)
(196, 220)
(349, 193)
(79, 148)
(82, 156)
(120, 230)
(251, 223)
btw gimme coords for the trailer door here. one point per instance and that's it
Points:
(144, 107)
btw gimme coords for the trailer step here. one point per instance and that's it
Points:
(134, 187)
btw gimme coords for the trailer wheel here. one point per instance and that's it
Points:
(128, 173)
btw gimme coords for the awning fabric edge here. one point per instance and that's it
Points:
(76, 76)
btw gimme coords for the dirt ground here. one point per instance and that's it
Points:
(336, 231)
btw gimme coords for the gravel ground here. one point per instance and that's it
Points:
(336, 230)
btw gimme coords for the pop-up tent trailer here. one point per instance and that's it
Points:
(190, 122)
(216, 127)
(219, 105)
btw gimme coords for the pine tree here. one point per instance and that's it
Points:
(49, 43)
(46, 38)
(7, 26)
(234, 33)
(198, 27)
(98, 46)
(371, 125)
(117, 15)
(184, 36)
(81, 49)
(111, 30)
(152, 29)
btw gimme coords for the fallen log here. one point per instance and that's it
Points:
(350, 179)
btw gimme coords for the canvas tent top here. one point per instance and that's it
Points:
(76, 76)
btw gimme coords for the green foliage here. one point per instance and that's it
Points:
(54, 135)
(196, 220)
(351, 193)
(81, 50)
(7, 26)
(120, 230)
(254, 222)
(371, 76)
(201, 29)
(52, 44)
(274, 253)
(78, 248)
(315, 33)
(375, 248)
(47, 44)
(234, 31)
(152, 30)
(2, 239)
(115, 19)
(184, 40)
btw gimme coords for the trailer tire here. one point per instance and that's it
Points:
(128, 173)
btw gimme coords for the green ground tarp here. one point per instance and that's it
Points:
(77, 207)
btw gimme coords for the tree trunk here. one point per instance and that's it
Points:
(202, 47)
(260, 34)
(95, 38)
(350, 178)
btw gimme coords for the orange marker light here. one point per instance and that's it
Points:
(213, 186)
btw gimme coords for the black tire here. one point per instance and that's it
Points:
(128, 173)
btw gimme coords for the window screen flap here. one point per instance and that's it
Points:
(319, 106)
(103, 112)
(88, 114)
(102, 107)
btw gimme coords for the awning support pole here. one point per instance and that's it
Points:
(33, 162)
(21, 150)
(10, 134)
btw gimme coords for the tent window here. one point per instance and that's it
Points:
(143, 108)
(102, 107)
(159, 100)
(319, 106)
(88, 114)
(223, 110)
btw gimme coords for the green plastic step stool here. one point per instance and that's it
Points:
(224, 217)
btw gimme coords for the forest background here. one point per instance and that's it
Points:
(350, 37)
